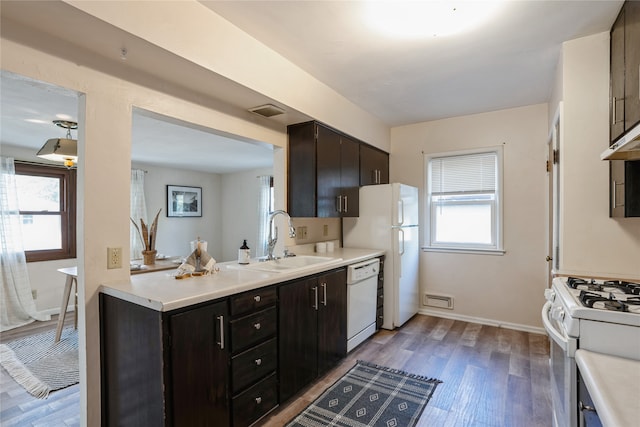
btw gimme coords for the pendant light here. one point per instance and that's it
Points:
(63, 150)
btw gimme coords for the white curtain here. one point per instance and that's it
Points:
(264, 207)
(138, 210)
(17, 307)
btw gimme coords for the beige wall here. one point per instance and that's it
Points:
(590, 242)
(505, 289)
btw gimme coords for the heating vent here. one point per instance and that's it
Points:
(268, 110)
(440, 301)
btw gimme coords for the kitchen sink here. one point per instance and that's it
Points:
(287, 265)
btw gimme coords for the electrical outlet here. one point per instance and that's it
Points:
(301, 232)
(114, 258)
(325, 230)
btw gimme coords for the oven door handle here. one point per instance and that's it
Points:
(567, 344)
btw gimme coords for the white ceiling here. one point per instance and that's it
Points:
(509, 62)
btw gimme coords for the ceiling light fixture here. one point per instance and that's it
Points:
(415, 19)
(63, 150)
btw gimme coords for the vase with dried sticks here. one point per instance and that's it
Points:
(148, 237)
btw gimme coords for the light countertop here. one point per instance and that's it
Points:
(161, 291)
(614, 385)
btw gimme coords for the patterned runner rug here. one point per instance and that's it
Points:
(40, 365)
(370, 395)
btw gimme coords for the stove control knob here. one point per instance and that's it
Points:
(557, 313)
(550, 295)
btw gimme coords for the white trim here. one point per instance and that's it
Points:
(483, 321)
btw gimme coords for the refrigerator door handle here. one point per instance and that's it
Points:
(400, 212)
(401, 235)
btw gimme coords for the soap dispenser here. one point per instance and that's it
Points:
(244, 253)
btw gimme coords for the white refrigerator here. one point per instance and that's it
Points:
(388, 220)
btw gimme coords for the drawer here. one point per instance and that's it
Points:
(380, 301)
(252, 329)
(379, 318)
(254, 403)
(253, 364)
(252, 301)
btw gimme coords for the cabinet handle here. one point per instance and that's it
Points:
(378, 176)
(339, 203)
(315, 291)
(221, 326)
(256, 298)
(587, 408)
(374, 175)
(615, 194)
(258, 400)
(258, 362)
(257, 326)
(346, 205)
(324, 292)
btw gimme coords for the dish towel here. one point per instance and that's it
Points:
(207, 263)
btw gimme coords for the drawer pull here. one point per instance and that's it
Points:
(256, 298)
(258, 400)
(258, 362)
(257, 326)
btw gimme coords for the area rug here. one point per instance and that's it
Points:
(370, 395)
(40, 365)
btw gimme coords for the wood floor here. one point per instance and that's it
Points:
(491, 377)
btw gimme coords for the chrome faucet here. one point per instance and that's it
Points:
(271, 242)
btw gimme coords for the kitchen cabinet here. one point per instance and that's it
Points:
(625, 188)
(313, 329)
(587, 413)
(324, 172)
(374, 166)
(164, 368)
(254, 355)
(625, 71)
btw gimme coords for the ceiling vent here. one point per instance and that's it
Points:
(267, 110)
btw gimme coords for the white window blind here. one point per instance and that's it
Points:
(464, 201)
(472, 173)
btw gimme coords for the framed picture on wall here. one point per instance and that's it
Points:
(184, 201)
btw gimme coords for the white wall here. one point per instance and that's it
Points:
(174, 234)
(504, 289)
(590, 242)
(239, 206)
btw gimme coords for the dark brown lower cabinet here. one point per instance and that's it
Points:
(313, 329)
(164, 368)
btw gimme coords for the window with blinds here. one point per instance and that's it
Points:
(464, 200)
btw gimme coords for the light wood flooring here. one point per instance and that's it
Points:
(491, 377)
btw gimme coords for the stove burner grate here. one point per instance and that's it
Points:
(589, 299)
(591, 285)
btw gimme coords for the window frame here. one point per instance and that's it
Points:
(67, 211)
(497, 216)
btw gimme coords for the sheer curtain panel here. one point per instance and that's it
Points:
(138, 210)
(17, 307)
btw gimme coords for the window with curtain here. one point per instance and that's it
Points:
(464, 200)
(47, 203)
(265, 205)
(138, 210)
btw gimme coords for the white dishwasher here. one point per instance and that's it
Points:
(362, 295)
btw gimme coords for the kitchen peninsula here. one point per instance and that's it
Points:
(184, 352)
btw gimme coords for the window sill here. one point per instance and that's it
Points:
(498, 252)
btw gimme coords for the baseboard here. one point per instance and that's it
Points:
(483, 321)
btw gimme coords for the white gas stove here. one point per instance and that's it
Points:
(597, 315)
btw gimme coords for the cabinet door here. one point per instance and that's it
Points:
(332, 319)
(616, 108)
(329, 172)
(631, 64)
(302, 170)
(200, 367)
(297, 336)
(350, 177)
(374, 166)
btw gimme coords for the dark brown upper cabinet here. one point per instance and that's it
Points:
(624, 111)
(374, 166)
(324, 172)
